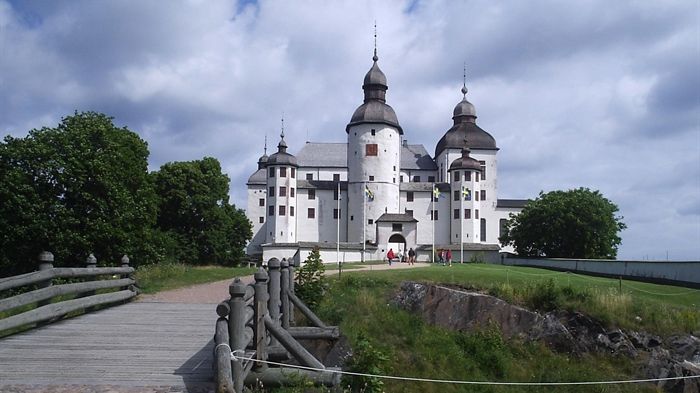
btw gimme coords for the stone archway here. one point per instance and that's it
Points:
(398, 243)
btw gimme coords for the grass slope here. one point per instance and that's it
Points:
(156, 278)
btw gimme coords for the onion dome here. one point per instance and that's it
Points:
(375, 109)
(466, 162)
(465, 129)
(282, 157)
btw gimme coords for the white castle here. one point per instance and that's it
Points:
(358, 199)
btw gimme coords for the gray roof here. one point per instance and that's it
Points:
(512, 203)
(334, 155)
(390, 217)
(322, 184)
(456, 247)
(321, 245)
(374, 111)
(259, 177)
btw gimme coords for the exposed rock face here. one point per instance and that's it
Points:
(572, 333)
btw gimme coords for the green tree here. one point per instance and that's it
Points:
(78, 188)
(310, 281)
(577, 223)
(194, 210)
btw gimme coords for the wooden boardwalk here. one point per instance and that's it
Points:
(136, 344)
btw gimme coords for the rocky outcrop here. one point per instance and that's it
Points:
(563, 331)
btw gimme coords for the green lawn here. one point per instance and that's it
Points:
(662, 309)
(156, 278)
(359, 304)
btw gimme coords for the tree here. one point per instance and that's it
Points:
(310, 281)
(194, 210)
(577, 223)
(78, 188)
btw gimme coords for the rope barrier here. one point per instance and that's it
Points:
(693, 291)
(460, 382)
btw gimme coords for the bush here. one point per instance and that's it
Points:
(310, 281)
(544, 296)
(365, 359)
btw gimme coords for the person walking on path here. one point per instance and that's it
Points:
(448, 256)
(390, 255)
(411, 256)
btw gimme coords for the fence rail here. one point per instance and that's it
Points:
(119, 278)
(255, 324)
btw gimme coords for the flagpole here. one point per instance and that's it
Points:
(461, 235)
(432, 215)
(337, 242)
(364, 220)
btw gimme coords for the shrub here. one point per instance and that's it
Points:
(310, 281)
(366, 359)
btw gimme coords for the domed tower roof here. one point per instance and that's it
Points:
(466, 162)
(465, 130)
(375, 109)
(282, 157)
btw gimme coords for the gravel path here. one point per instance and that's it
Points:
(215, 292)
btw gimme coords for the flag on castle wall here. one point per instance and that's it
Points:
(467, 194)
(436, 193)
(369, 194)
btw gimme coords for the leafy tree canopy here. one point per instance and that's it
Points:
(194, 210)
(577, 223)
(78, 188)
(310, 280)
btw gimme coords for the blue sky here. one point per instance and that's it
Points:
(595, 94)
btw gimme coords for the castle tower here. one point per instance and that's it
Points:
(281, 195)
(465, 175)
(374, 145)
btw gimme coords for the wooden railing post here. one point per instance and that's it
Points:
(45, 263)
(236, 327)
(90, 262)
(292, 265)
(284, 290)
(273, 305)
(261, 299)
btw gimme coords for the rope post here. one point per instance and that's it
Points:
(45, 263)
(236, 328)
(284, 292)
(259, 332)
(91, 261)
(125, 261)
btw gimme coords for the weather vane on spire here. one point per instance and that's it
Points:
(375, 57)
(282, 134)
(464, 81)
(265, 148)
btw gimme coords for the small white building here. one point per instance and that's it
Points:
(356, 200)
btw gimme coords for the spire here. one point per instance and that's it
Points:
(282, 146)
(265, 148)
(464, 81)
(375, 57)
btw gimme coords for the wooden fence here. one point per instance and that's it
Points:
(104, 278)
(255, 325)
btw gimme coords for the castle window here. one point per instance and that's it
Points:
(467, 176)
(396, 227)
(336, 177)
(271, 193)
(294, 173)
(409, 196)
(291, 192)
(401, 179)
(291, 210)
(283, 191)
(373, 132)
(283, 210)
(309, 176)
(483, 229)
(482, 164)
(371, 149)
(476, 213)
(335, 194)
(312, 194)
(272, 172)
(456, 176)
(283, 171)
(371, 178)
(456, 195)
(455, 214)
(416, 179)
(261, 202)
(467, 214)
(483, 195)
(476, 196)
(262, 220)
(370, 221)
(431, 179)
(352, 218)
(476, 176)
(271, 210)
(336, 214)
(502, 225)
(434, 215)
(311, 213)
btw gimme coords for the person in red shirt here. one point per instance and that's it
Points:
(449, 257)
(390, 255)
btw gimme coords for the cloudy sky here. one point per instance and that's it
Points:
(599, 94)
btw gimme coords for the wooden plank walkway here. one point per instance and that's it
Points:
(136, 344)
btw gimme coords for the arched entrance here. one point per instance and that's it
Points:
(398, 243)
